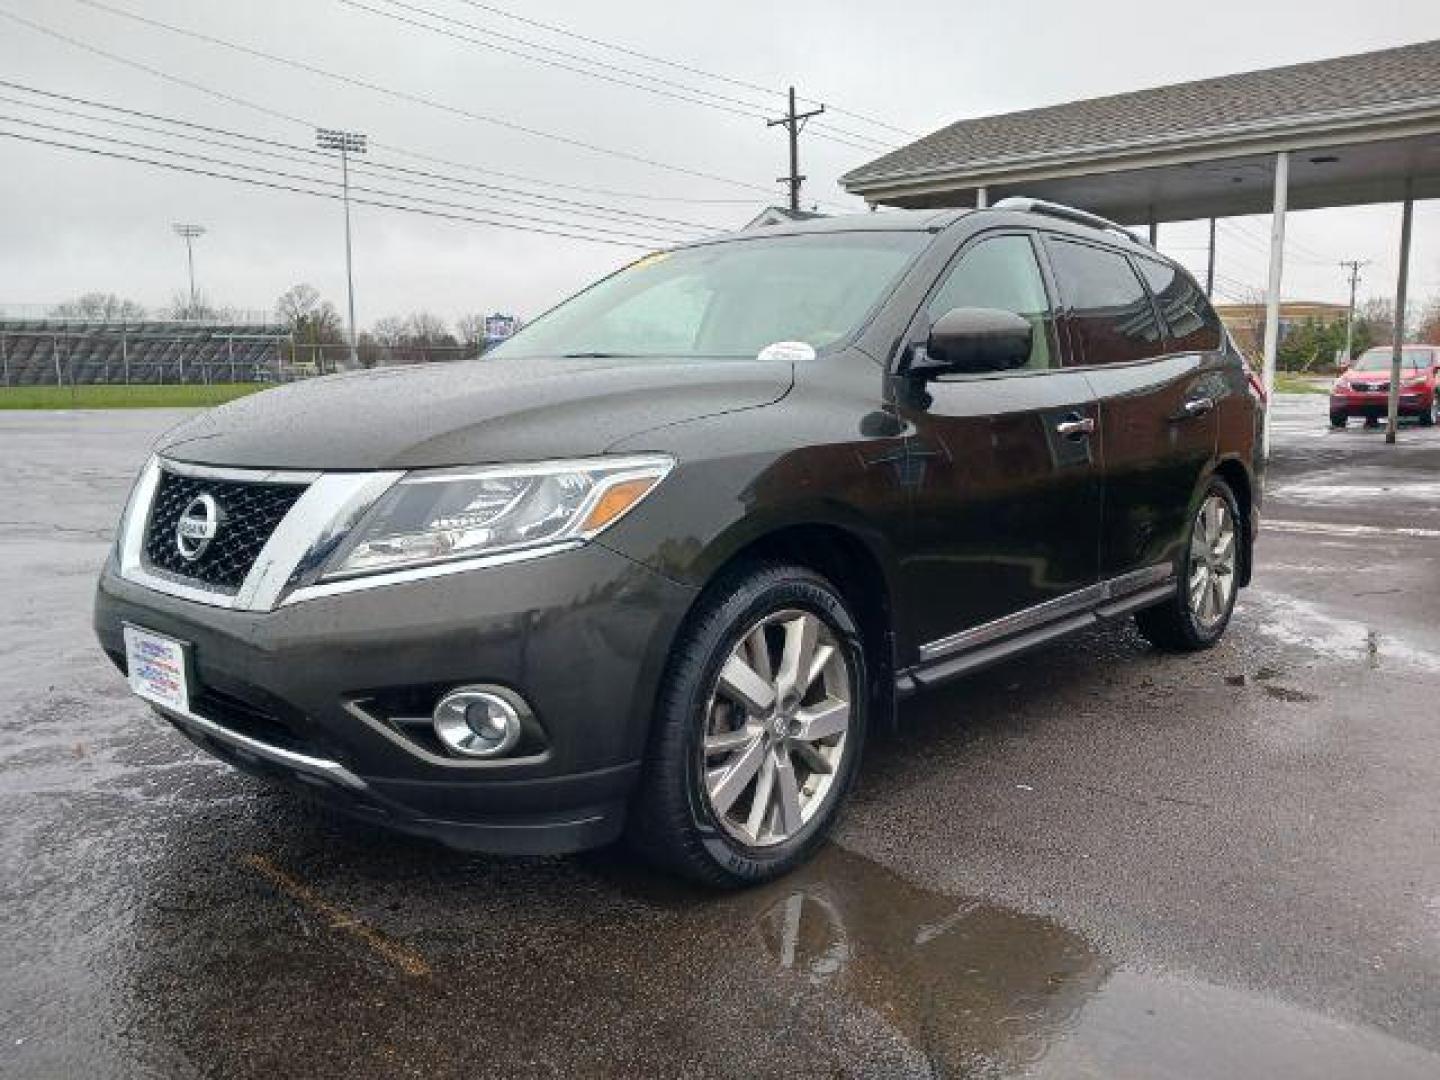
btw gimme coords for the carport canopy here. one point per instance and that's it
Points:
(1338, 132)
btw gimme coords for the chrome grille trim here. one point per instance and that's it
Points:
(330, 501)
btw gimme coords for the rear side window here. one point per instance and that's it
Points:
(1000, 272)
(1111, 317)
(1189, 317)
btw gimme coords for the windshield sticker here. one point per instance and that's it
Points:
(787, 352)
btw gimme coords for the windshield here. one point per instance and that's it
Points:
(1410, 360)
(728, 299)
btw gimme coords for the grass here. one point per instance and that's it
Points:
(1288, 383)
(123, 397)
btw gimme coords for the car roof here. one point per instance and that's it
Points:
(876, 221)
(938, 220)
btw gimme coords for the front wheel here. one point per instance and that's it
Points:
(758, 732)
(1196, 615)
(1339, 419)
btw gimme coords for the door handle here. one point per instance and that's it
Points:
(1075, 426)
(1196, 406)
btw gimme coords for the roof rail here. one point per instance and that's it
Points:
(1067, 213)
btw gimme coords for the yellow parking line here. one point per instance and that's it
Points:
(406, 959)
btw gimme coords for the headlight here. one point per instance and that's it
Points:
(439, 516)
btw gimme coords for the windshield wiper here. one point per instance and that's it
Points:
(591, 355)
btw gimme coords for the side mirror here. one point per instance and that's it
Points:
(973, 339)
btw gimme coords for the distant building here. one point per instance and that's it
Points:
(1246, 322)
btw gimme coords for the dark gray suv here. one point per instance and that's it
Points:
(656, 565)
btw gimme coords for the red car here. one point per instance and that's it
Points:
(1363, 389)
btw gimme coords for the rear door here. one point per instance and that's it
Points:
(1006, 505)
(1158, 387)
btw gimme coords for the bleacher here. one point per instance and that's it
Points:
(35, 352)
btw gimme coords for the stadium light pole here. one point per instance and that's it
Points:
(347, 142)
(190, 233)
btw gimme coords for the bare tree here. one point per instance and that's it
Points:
(390, 331)
(311, 318)
(98, 306)
(417, 338)
(427, 328)
(1428, 329)
(1374, 322)
(471, 329)
(198, 308)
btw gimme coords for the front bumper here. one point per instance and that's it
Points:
(1376, 406)
(295, 693)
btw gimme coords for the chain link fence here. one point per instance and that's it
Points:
(54, 352)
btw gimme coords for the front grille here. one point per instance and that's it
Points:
(248, 514)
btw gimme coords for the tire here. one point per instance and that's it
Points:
(1339, 419)
(1180, 624)
(698, 811)
(1372, 421)
(1430, 415)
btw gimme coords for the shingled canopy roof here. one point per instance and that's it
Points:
(1368, 123)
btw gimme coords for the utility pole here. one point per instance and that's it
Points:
(347, 142)
(793, 123)
(1354, 265)
(1210, 263)
(190, 233)
(1397, 345)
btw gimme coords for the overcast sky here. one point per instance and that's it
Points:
(74, 222)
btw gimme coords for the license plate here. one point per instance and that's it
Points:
(157, 668)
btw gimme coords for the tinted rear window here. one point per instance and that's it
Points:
(1192, 322)
(1112, 320)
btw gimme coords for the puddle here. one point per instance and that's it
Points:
(595, 966)
(1387, 488)
(1296, 622)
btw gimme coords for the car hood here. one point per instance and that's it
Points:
(470, 413)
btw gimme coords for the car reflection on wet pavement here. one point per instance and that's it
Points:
(1099, 862)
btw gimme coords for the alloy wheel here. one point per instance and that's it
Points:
(776, 727)
(1212, 563)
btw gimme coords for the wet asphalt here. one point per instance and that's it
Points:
(1097, 861)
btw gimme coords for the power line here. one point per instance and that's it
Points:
(173, 166)
(446, 182)
(1262, 240)
(309, 124)
(416, 99)
(643, 239)
(665, 87)
(626, 233)
(674, 64)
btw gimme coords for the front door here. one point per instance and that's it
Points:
(1005, 513)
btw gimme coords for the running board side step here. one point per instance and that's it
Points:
(925, 676)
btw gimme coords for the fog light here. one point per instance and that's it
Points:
(480, 721)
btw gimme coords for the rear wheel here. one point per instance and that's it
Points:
(1339, 419)
(1196, 615)
(758, 732)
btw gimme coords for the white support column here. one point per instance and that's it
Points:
(1407, 214)
(982, 198)
(1272, 294)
